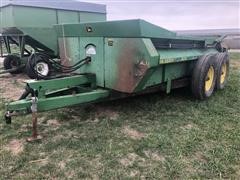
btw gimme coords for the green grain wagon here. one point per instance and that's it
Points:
(27, 26)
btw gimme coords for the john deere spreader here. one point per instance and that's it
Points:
(27, 27)
(111, 60)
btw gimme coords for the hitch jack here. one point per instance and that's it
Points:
(35, 136)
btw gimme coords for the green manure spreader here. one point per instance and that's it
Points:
(27, 27)
(117, 59)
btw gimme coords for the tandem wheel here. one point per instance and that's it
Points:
(204, 77)
(222, 64)
(209, 74)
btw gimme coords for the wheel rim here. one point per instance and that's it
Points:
(209, 79)
(223, 73)
(42, 68)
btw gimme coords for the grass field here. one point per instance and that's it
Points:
(155, 136)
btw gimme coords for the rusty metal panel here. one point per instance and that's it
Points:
(69, 50)
(127, 61)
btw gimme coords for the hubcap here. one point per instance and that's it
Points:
(42, 68)
(209, 79)
(223, 73)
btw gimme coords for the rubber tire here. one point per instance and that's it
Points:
(199, 75)
(7, 63)
(29, 71)
(220, 59)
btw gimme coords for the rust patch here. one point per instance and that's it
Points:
(131, 67)
(64, 52)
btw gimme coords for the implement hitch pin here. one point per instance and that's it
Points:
(35, 136)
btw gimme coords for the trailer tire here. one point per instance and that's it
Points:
(11, 62)
(204, 77)
(222, 64)
(37, 67)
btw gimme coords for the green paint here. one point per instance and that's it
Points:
(126, 51)
(42, 37)
(45, 104)
(67, 16)
(131, 56)
(168, 56)
(129, 28)
(61, 83)
(121, 29)
(6, 19)
(155, 78)
(74, 50)
(47, 87)
(91, 17)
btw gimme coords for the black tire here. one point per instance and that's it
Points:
(222, 64)
(33, 62)
(200, 76)
(12, 62)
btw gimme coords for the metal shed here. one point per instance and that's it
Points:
(44, 11)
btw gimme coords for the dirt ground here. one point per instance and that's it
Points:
(12, 86)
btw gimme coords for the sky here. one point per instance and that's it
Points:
(177, 14)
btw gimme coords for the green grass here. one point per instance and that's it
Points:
(152, 136)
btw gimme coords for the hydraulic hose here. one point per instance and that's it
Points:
(35, 57)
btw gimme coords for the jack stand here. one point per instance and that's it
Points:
(35, 136)
(8, 118)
